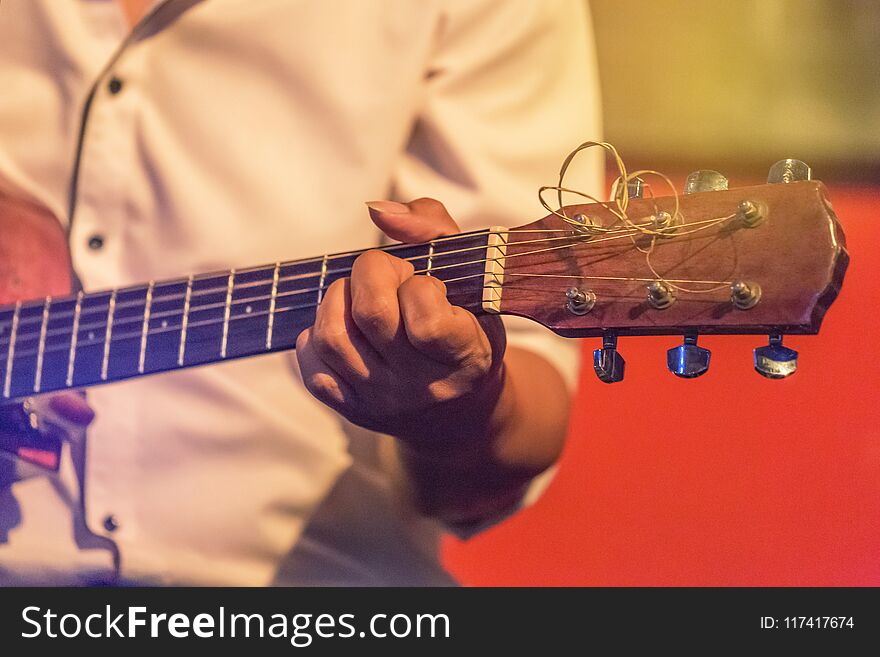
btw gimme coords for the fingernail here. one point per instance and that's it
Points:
(390, 207)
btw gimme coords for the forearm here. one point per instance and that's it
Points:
(522, 435)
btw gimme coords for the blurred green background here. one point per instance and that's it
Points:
(737, 85)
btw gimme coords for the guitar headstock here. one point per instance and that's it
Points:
(768, 259)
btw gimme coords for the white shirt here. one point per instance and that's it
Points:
(246, 133)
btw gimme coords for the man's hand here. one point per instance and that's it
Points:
(388, 351)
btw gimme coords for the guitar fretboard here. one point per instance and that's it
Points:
(99, 337)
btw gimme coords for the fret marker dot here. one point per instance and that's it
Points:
(164, 323)
(248, 310)
(91, 335)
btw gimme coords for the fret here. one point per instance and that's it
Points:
(52, 365)
(185, 320)
(111, 308)
(41, 349)
(25, 349)
(459, 258)
(430, 258)
(10, 354)
(207, 318)
(165, 326)
(71, 358)
(272, 300)
(145, 327)
(90, 337)
(226, 312)
(250, 307)
(322, 279)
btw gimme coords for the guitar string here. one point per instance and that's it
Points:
(620, 199)
(121, 337)
(269, 269)
(101, 311)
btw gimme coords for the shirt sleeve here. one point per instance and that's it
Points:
(510, 90)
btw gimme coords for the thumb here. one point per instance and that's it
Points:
(417, 221)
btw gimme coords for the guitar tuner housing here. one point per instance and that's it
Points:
(775, 361)
(607, 361)
(688, 361)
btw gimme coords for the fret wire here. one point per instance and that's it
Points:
(322, 279)
(110, 311)
(273, 296)
(181, 351)
(226, 311)
(71, 358)
(38, 376)
(10, 354)
(146, 326)
(430, 258)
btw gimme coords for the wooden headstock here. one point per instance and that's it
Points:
(766, 259)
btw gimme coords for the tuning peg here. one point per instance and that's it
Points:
(788, 171)
(688, 360)
(775, 361)
(635, 188)
(705, 180)
(607, 361)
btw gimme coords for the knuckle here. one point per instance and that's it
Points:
(324, 387)
(329, 340)
(371, 312)
(427, 333)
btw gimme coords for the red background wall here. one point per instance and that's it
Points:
(729, 479)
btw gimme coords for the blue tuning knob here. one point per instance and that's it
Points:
(688, 360)
(607, 361)
(775, 361)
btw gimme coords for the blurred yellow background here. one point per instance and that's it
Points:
(737, 85)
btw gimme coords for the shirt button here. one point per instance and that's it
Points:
(115, 85)
(110, 523)
(96, 242)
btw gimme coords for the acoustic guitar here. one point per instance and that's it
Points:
(767, 259)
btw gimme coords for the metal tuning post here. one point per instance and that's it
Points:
(745, 294)
(688, 361)
(705, 180)
(585, 225)
(775, 361)
(579, 302)
(635, 188)
(660, 295)
(789, 171)
(607, 361)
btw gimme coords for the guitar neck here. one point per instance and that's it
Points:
(100, 337)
